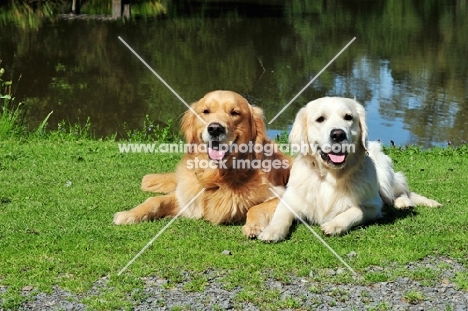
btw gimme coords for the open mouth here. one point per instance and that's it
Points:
(333, 158)
(218, 151)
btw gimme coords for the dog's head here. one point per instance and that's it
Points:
(229, 119)
(333, 128)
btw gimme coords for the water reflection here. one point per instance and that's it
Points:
(407, 65)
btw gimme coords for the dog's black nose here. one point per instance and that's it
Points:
(337, 135)
(216, 129)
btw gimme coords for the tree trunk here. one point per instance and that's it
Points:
(116, 8)
(75, 9)
(126, 9)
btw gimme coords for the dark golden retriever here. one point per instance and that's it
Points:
(210, 171)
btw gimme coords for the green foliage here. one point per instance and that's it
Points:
(65, 131)
(31, 14)
(153, 132)
(11, 112)
(196, 284)
(25, 15)
(283, 137)
(409, 151)
(42, 127)
(413, 296)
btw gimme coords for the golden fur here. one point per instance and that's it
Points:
(228, 192)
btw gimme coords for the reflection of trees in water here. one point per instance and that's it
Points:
(408, 56)
(30, 14)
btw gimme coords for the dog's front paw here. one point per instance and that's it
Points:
(125, 218)
(332, 228)
(403, 202)
(252, 231)
(273, 234)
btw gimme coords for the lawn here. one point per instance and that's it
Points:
(58, 197)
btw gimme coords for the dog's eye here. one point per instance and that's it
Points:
(206, 111)
(320, 119)
(348, 117)
(235, 113)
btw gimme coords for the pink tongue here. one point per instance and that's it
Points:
(216, 154)
(337, 158)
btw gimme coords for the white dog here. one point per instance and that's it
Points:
(341, 180)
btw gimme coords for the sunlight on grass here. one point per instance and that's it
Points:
(59, 195)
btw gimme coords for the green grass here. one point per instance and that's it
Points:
(58, 194)
(11, 112)
(413, 296)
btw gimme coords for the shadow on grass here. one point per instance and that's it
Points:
(389, 216)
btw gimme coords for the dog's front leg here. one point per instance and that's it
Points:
(258, 217)
(153, 208)
(279, 226)
(353, 216)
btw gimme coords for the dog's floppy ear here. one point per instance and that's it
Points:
(298, 135)
(259, 129)
(362, 123)
(188, 127)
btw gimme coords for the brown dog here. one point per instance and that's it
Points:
(225, 176)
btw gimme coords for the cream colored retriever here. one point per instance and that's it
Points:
(340, 180)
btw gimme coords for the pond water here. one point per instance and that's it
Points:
(408, 65)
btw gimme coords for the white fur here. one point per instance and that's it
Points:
(338, 196)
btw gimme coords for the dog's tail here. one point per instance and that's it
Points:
(403, 198)
(418, 199)
(159, 183)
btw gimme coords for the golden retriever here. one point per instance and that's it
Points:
(210, 171)
(339, 180)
